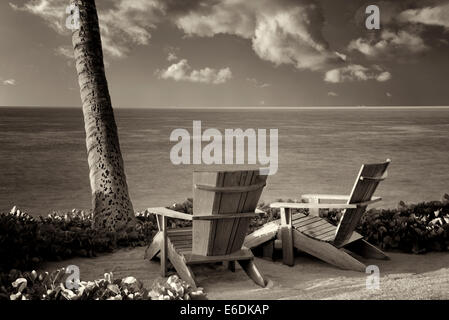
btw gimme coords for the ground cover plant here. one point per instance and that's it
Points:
(54, 286)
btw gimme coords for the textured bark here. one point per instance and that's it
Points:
(113, 210)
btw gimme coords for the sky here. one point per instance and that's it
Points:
(239, 53)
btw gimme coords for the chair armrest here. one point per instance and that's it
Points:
(225, 216)
(312, 205)
(161, 211)
(326, 197)
(324, 205)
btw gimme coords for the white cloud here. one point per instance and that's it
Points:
(284, 39)
(341, 55)
(332, 94)
(65, 51)
(384, 76)
(126, 23)
(437, 15)
(52, 11)
(282, 32)
(257, 84)
(182, 71)
(355, 72)
(220, 17)
(171, 57)
(9, 82)
(389, 44)
(410, 39)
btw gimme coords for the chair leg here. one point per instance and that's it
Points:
(326, 252)
(262, 235)
(164, 256)
(366, 249)
(153, 249)
(287, 237)
(251, 270)
(231, 266)
(268, 250)
(179, 263)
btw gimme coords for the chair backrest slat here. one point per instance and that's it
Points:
(367, 181)
(223, 192)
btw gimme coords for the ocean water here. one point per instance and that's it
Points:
(43, 162)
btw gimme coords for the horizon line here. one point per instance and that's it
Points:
(245, 107)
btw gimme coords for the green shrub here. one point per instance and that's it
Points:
(18, 235)
(26, 241)
(415, 228)
(175, 288)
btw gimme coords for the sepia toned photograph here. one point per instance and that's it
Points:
(231, 150)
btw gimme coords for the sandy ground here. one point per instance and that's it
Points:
(403, 277)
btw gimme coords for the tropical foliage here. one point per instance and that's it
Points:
(26, 241)
(54, 286)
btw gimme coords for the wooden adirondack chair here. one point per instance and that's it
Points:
(224, 203)
(318, 237)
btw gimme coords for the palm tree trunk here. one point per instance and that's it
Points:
(112, 207)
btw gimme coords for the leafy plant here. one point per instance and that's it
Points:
(52, 286)
(175, 289)
(415, 228)
(26, 241)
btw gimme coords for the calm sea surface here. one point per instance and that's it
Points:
(43, 163)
